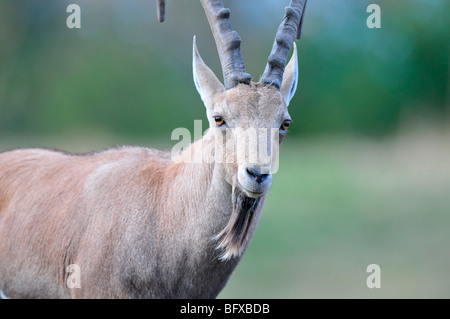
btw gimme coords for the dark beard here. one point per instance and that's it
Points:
(234, 236)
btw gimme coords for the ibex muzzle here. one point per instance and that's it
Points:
(136, 222)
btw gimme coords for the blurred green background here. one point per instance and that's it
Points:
(365, 171)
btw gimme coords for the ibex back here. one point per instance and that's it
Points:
(138, 222)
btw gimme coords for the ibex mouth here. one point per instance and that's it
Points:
(236, 234)
(253, 195)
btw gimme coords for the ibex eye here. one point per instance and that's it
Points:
(219, 121)
(285, 125)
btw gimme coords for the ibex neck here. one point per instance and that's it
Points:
(198, 208)
(199, 204)
(204, 185)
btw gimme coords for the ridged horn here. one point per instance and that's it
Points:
(290, 28)
(228, 43)
(161, 10)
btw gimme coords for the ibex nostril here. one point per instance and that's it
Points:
(256, 174)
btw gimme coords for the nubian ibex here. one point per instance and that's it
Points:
(137, 222)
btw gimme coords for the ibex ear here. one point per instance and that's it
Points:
(290, 78)
(205, 80)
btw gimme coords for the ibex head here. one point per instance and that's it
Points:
(241, 106)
